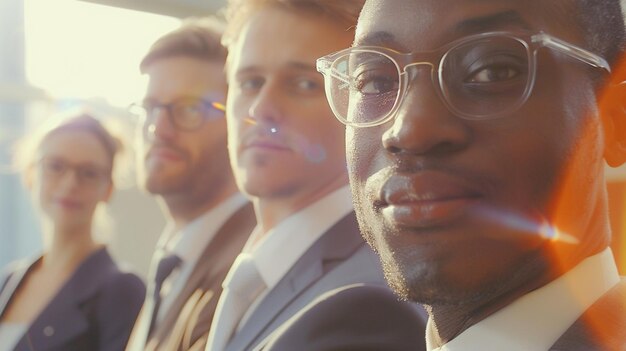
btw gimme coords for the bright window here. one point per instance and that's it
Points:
(81, 50)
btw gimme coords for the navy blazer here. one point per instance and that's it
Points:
(93, 311)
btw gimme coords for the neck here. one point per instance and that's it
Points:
(66, 247)
(183, 209)
(270, 211)
(449, 321)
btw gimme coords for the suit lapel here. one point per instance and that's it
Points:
(601, 327)
(206, 278)
(62, 319)
(334, 246)
(13, 282)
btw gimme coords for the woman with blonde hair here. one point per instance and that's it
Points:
(73, 296)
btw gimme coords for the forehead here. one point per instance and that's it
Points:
(174, 77)
(78, 146)
(275, 37)
(422, 24)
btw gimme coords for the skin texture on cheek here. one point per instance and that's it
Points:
(535, 202)
(360, 144)
(284, 142)
(537, 145)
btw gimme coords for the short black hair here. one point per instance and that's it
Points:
(602, 22)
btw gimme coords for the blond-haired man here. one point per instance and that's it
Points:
(287, 153)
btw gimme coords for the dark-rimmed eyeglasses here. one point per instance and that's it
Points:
(478, 77)
(86, 173)
(185, 114)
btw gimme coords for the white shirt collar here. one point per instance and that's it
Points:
(536, 320)
(189, 243)
(284, 244)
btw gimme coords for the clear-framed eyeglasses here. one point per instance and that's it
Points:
(478, 77)
(185, 114)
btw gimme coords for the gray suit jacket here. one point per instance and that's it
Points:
(93, 311)
(188, 321)
(602, 327)
(338, 259)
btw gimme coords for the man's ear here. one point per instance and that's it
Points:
(27, 177)
(109, 192)
(613, 112)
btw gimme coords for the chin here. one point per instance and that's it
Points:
(464, 281)
(422, 283)
(277, 188)
(158, 184)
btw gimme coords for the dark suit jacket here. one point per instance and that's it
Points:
(93, 311)
(187, 324)
(338, 259)
(359, 317)
(602, 327)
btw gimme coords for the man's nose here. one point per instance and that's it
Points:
(159, 124)
(423, 124)
(266, 107)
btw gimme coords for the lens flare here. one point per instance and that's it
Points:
(521, 224)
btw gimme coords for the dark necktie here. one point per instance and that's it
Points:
(166, 265)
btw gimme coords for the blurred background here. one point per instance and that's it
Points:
(59, 55)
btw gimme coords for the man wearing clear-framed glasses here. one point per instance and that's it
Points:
(185, 164)
(477, 135)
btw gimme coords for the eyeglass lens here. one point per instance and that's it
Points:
(57, 167)
(477, 79)
(185, 114)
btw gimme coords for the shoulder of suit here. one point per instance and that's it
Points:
(18, 266)
(377, 297)
(357, 316)
(100, 275)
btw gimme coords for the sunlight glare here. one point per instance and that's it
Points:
(81, 50)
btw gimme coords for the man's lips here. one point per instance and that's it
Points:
(266, 144)
(68, 203)
(426, 198)
(164, 153)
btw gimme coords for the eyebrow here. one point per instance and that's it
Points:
(294, 65)
(472, 25)
(380, 38)
(302, 66)
(491, 22)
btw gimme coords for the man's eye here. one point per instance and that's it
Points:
(251, 84)
(493, 74)
(307, 84)
(89, 173)
(193, 108)
(374, 83)
(491, 68)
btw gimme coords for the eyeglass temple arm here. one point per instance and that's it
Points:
(218, 106)
(573, 51)
(324, 67)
